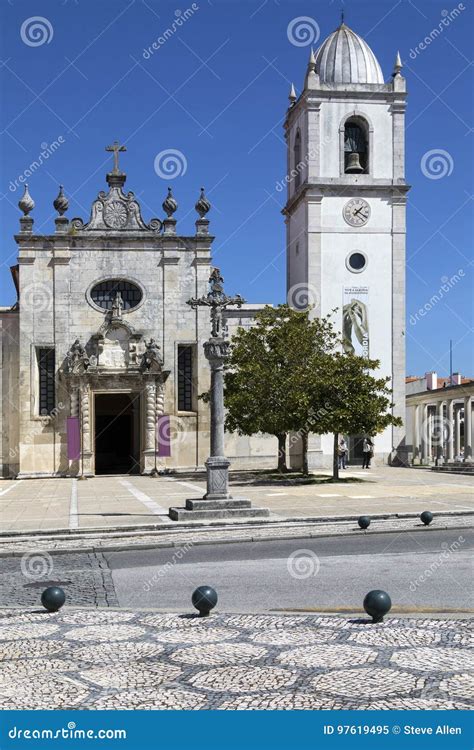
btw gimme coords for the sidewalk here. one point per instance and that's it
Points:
(116, 659)
(130, 501)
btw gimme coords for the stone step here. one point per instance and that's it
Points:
(218, 504)
(181, 514)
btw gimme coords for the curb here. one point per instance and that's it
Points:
(66, 533)
(232, 540)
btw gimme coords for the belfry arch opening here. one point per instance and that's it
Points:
(356, 146)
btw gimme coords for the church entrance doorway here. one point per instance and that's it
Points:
(117, 433)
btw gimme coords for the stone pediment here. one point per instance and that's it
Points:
(116, 347)
(116, 211)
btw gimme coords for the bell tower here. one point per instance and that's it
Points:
(345, 212)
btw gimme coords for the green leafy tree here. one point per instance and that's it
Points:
(355, 401)
(271, 371)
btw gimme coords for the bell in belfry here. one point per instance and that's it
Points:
(353, 163)
(355, 148)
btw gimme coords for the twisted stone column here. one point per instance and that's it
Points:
(74, 402)
(150, 416)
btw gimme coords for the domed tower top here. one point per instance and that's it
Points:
(344, 57)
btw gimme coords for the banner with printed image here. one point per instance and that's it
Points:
(355, 320)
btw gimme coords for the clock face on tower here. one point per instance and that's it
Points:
(356, 212)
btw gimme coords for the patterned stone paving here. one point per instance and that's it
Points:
(93, 659)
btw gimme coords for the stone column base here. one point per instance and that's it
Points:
(217, 468)
(202, 509)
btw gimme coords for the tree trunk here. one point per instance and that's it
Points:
(335, 457)
(282, 452)
(304, 446)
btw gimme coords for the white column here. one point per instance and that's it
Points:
(457, 429)
(430, 433)
(425, 434)
(468, 428)
(450, 429)
(416, 433)
(439, 435)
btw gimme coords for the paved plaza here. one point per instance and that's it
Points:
(118, 501)
(118, 659)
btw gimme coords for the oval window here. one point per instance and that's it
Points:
(104, 293)
(356, 262)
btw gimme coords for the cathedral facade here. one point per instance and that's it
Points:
(102, 356)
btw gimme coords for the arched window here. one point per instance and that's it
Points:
(356, 146)
(297, 166)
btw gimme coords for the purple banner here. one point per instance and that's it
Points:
(163, 436)
(73, 439)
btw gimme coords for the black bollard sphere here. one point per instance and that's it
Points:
(377, 603)
(204, 599)
(364, 522)
(53, 598)
(426, 517)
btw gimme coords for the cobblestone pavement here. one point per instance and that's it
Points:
(115, 501)
(219, 533)
(118, 659)
(85, 576)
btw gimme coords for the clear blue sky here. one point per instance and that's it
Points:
(216, 90)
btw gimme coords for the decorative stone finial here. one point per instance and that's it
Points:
(26, 202)
(312, 78)
(61, 203)
(169, 204)
(202, 205)
(398, 65)
(292, 95)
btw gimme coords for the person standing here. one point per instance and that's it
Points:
(368, 452)
(342, 452)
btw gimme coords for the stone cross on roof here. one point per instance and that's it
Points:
(116, 148)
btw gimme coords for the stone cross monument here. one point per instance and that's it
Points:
(216, 351)
(217, 502)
